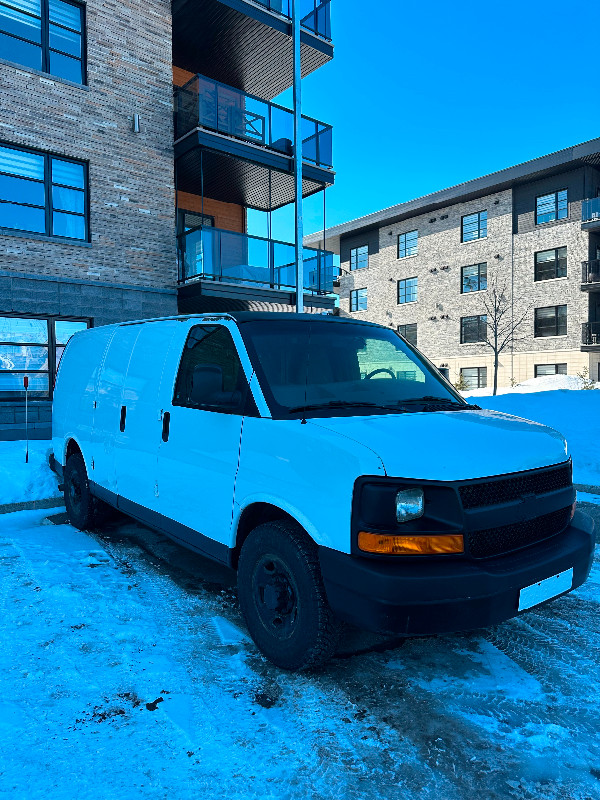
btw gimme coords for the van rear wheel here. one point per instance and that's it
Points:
(83, 510)
(283, 599)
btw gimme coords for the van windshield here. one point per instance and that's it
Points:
(326, 368)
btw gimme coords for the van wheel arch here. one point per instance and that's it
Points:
(252, 516)
(71, 450)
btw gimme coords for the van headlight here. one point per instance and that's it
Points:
(410, 504)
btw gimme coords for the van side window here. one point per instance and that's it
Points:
(210, 372)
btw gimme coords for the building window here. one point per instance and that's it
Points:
(473, 329)
(359, 257)
(551, 321)
(46, 35)
(474, 226)
(473, 278)
(408, 244)
(474, 377)
(551, 264)
(549, 369)
(32, 346)
(40, 193)
(358, 300)
(409, 332)
(550, 207)
(407, 290)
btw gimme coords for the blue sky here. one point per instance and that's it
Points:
(426, 95)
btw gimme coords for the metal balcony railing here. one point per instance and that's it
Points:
(230, 257)
(590, 210)
(590, 333)
(315, 15)
(590, 271)
(218, 107)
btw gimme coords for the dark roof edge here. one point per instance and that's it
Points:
(568, 158)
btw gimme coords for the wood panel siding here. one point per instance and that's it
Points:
(227, 216)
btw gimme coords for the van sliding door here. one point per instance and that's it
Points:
(136, 450)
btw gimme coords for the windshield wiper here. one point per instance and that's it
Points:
(344, 404)
(429, 399)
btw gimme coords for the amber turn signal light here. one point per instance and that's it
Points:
(410, 545)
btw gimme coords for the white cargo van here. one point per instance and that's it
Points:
(329, 463)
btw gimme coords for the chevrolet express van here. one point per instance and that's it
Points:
(329, 463)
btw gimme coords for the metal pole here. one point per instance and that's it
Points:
(298, 157)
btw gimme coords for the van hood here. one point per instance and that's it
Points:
(452, 445)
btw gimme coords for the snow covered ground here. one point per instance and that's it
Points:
(20, 481)
(557, 401)
(126, 674)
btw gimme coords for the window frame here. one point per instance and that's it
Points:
(556, 372)
(480, 288)
(354, 295)
(556, 260)
(246, 406)
(405, 234)
(479, 236)
(536, 335)
(479, 373)
(405, 302)
(49, 210)
(556, 201)
(358, 257)
(51, 320)
(478, 317)
(44, 45)
(409, 325)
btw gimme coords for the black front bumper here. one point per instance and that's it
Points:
(424, 595)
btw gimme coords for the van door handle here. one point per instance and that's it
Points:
(123, 415)
(166, 425)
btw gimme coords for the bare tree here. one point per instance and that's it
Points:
(502, 323)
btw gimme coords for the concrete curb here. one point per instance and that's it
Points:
(32, 505)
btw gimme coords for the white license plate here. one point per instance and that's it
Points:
(544, 590)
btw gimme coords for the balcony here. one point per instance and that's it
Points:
(229, 257)
(590, 214)
(590, 275)
(590, 336)
(248, 43)
(236, 147)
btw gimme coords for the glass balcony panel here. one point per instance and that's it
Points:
(222, 108)
(238, 258)
(590, 209)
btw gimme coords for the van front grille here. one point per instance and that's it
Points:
(496, 541)
(503, 490)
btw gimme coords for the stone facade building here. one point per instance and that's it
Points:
(112, 206)
(426, 266)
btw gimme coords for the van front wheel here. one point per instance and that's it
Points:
(282, 597)
(83, 509)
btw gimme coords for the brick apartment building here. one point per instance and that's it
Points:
(424, 267)
(133, 138)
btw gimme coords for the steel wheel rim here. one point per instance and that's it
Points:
(275, 596)
(75, 489)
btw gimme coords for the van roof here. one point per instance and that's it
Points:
(252, 316)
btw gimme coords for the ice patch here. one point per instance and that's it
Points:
(228, 633)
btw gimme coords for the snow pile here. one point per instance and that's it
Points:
(576, 414)
(545, 383)
(20, 482)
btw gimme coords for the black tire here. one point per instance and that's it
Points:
(283, 599)
(83, 510)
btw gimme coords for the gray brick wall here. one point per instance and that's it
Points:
(131, 175)
(510, 259)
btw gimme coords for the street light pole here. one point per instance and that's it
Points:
(299, 232)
